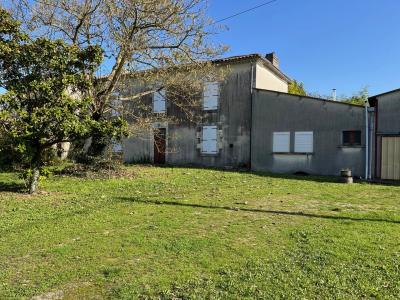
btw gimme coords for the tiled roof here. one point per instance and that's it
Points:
(252, 57)
(239, 59)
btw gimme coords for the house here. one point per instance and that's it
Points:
(223, 137)
(385, 146)
(250, 120)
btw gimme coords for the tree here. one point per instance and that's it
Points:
(358, 98)
(135, 35)
(48, 97)
(297, 88)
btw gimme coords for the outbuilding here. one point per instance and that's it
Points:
(386, 146)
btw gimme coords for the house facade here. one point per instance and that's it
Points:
(385, 144)
(249, 120)
(223, 136)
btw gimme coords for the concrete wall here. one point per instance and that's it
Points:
(267, 80)
(275, 112)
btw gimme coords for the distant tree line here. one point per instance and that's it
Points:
(358, 98)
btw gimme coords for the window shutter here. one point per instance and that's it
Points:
(210, 95)
(159, 102)
(281, 142)
(209, 140)
(304, 142)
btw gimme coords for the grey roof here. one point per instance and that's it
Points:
(253, 57)
(236, 59)
(385, 93)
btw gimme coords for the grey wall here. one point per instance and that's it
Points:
(388, 123)
(274, 112)
(233, 118)
(389, 113)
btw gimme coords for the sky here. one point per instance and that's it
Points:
(342, 44)
(326, 44)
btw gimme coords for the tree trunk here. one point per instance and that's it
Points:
(34, 181)
(36, 165)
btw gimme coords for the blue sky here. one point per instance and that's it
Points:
(342, 44)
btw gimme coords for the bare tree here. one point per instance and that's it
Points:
(159, 43)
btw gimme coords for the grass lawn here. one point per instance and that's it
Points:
(175, 233)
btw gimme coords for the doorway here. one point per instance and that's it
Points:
(160, 145)
(390, 163)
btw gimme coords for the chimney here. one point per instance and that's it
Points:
(273, 58)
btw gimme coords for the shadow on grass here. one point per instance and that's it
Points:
(12, 187)
(256, 210)
(300, 176)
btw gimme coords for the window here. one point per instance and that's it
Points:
(210, 95)
(159, 102)
(351, 138)
(281, 142)
(209, 140)
(303, 142)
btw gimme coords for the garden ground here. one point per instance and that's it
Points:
(180, 233)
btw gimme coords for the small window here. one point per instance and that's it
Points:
(281, 142)
(352, 138)
(209, 140)
(159, 101)
(304, 142)
(210, 95)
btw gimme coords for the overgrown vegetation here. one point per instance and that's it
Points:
(48, 97)
(358, 98)
(176, 233)
(297, 88)
(145, 42)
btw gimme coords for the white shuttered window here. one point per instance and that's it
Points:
(210, 95)
(209, 140)
(281, 142)
(304, 142)
(159, 102)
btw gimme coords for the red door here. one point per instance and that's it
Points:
(160, 145)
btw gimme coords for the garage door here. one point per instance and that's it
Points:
(391, 158)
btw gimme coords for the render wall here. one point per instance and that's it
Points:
(267, 80)
(279, 112)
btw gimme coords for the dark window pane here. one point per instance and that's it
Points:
(352, 138)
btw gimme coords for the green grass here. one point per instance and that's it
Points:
(175, 233)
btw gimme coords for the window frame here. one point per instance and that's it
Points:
(357, 136)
